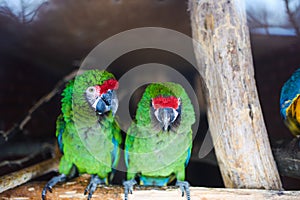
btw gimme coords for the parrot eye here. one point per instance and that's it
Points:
(90, 90)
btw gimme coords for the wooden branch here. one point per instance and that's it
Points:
(35, 12)
(6, 11)
(57, 89)
(234, 114)
(291, 17)
(42, 150)
(287, 157)
(74, 190)
(19, 177)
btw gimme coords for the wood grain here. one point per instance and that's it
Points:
(236, 123)
(74, 190)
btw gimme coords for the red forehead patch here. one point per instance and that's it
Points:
(110, 84)
(165, 102)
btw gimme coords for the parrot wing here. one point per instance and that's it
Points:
(117, 141)
(130, 135)
(128, 143)
(115, 153)
(189, 151)
(60, 129)
(188, 156)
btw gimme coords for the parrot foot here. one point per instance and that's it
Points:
(184, 187)
(128, 187)
(92, 186)
(51, 183)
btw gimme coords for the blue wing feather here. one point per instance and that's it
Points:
(289, 92)
(188, 157)
(60, 129)
(115, 153)
(128, 143)
(60, 142)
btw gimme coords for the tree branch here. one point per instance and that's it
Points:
(292, 17)
(235, 119)
(35, 12)
(56, 90)
(46, 148)
(6, 11)
(17, 178)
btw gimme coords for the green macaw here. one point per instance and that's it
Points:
(88, 135)
(159, 142)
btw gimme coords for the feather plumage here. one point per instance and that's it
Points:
(89, 141)
(290, 103)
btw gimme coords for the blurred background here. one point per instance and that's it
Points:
(41, 41)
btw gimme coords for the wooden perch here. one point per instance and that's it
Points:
(24, 175)
(287, 157)
(235, 118)
(74, 190)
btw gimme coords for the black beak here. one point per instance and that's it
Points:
(106, 102)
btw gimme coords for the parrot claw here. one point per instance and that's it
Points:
(128, 187)
(184, 187)
(92, 186)
(51, 183)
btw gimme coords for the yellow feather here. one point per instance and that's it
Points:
(293, 117)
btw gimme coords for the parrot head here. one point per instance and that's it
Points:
(102, 98)
(166, 111)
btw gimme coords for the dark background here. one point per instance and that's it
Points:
(36, 51)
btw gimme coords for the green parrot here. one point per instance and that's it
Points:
(88, 135)
(159, 142)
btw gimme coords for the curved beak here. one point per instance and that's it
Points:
(166, 116)
(166, 119)
(106, 102)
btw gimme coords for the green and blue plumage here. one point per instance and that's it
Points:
(89, 141)
(156, 153)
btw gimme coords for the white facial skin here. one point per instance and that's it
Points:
(166, 116)
(107, 101)
(91, 95)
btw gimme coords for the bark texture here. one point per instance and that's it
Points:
(235, 118)
(19, 177)
(74, 190)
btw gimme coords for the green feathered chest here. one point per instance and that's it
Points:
(89, 147)
(158, 153)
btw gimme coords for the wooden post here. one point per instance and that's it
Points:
(235, 118)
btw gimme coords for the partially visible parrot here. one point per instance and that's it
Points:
(159, 142)
(88, 135)
(290, 103)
